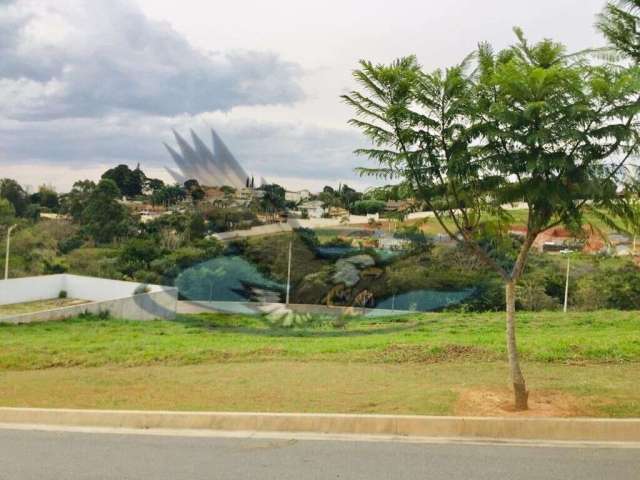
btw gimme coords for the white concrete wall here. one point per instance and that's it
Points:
(30, 289)
(115, 296)
(100, 289)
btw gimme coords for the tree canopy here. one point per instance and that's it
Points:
(528, 124)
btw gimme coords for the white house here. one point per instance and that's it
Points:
(313, 208)
(297, 197)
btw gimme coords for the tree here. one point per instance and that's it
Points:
(104, 218)
(15, 194)
(46, 197)
(130, 182)
(151, 185)
(273, 198)
(76, 200)
(533, 125)
(330, 199)
(364, 207)
(137, 254)
(197, 227)
(349, 196)
(194, 190)
(619, 22)
(169, 195)
(7, 212)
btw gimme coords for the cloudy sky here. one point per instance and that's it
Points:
(88, 84)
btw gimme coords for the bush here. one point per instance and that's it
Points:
(364, 207)
(62, 294)
(68, 245)
(140, 289)
(54, 266)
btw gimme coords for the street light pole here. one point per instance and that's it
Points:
(289, 271)
(6, 258)
(566, 286)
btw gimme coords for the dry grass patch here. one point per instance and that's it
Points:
(449, 388)
(38, 306)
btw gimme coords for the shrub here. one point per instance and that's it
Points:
(70, 244)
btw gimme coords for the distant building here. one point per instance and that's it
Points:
(389, 242)
(297, 197)
(211, 168)
(313, 208)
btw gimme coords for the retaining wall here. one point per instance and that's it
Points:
(117, 297)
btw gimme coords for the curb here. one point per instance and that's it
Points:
(550, 429)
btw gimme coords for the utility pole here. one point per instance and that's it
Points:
(289, 271)
(6, 259)
(566, 286)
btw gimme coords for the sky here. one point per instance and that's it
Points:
(86, 85)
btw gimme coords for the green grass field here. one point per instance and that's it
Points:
(424, 363)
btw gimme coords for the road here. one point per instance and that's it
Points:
(44, 455)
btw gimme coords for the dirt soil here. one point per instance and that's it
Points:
(499, 403)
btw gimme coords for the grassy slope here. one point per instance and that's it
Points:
(415, 365)
(606, 336)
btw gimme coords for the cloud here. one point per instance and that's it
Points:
(291, 151)
(65, 59)
(86, 85)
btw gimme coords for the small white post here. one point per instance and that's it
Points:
(6, 258)
(289, 271)
(566, 286)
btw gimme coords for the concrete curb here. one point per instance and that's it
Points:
(550, 429)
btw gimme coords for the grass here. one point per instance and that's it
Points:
(416, 364)
(433, 389)
(37, 306)
(599, 337)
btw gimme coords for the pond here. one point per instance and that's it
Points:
(226, 279)
(335, 252)
(425, 300)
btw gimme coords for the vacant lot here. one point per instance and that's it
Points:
(577, 364)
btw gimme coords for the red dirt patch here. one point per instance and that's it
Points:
(499, 403)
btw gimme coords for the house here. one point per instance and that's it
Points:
(313, 208)
(297, 197)
(392, 243)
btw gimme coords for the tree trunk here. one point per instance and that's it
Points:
(517, 379)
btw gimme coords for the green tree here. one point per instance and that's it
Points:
(7, 212)
(46, 197)
(74, 202)
(197, 227)
(129, 182)
(104, 218)
(194, 190)
(534, 125)
(349, 195)
(620, 24)
(364, 207)
(137, 254)
(153, 184)
(273, 198)
(15, 194)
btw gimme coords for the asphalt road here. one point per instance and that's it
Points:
(44, 455)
